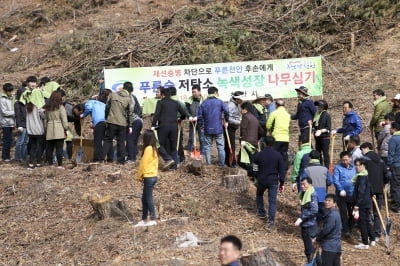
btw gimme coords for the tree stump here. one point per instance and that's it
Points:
(236, 182)
(194, 167)
(262, 256)
(109, 207)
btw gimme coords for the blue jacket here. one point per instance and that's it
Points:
(351, 125)
(319, 175)
(209, 115)
(96, 109)
(305, 112)
(342, 179)
(270, 167)
(329, 236)
(309, 212)
(394, 151)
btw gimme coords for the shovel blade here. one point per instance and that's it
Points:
(195, 154)
(388, 226)
(387, 241)
(79, 155)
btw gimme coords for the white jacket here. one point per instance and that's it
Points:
(7, 114)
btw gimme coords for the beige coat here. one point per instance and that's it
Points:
(56, 124)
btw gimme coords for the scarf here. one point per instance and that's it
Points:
(245, 152)
(362, 173)
(305, 196)
(397, 133)
(260, 109)
(314, 161)
(211, 96)
(49, 87)
(317, 116)
(34, 96)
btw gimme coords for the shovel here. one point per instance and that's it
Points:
(373, 138)
(179, 136)
(383, 224)
(316, 258)
(388, 222)
(331, 167)
(195, 154)
(231, 155)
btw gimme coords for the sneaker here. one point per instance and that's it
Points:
(7, 160)
(361, 246)
(261, 215)
(168, 164)
(61, 167)
(372, 243)
(31, 166)
(141, 223)
(150, 223)
(38, 165)
(377, 239)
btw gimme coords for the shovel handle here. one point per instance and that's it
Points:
(379, 213)
(385, 192)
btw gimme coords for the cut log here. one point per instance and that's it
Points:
(194, 167)
(236, 182)
(109, 207)
(262, 256)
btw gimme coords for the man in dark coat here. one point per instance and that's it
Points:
(305, 111)
(269, 172)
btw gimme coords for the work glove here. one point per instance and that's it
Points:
(333, 132)
(318, 133)
(347, 138)
(356, 213)
(281, 188)
(294, 187)
(153, 128)
(191, 119)
(20, 129)
(243, 143)
(342, 193)
(382, 124)
(130, 131)
(195, 119)
(226, 124)
(298, 222)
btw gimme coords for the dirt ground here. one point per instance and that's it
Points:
(46, 217)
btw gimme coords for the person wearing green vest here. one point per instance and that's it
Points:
(301, 161)
(381, 108)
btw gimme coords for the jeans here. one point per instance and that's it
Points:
(7, 141)
(219, 139)
(147, 198)
(345, 205)
(58, 145)
(98, 136)
(132, 140)
(395, 188)
(37, 143)
(21, 147)
(330, 258)
(200, 143)
(307, 234)
(272, 194)
(322, 145)
(231, 136)
(119, 132)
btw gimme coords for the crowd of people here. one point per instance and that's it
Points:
(42, 116)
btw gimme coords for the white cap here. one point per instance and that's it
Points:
(397, 97)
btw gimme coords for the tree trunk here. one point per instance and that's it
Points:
(262, 256)
(236, 182)
(109, 207)
(194, 167)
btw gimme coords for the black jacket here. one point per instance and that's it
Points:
(324, 122)
(167, 112)
(270, 167)
(20, 114)
(362, 193)
(376, 171)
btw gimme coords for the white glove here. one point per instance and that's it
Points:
(130, 131)
(382, 124)
(298, 222)
(342, 193)
(333, 132)
(81, 116)
(20, 129)
(190, 118)
(153, 128)
(243, 143)
(294, 187)
(347, 138)
(226, 124)
(356, 214)
(318, 133)
(195, 119)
